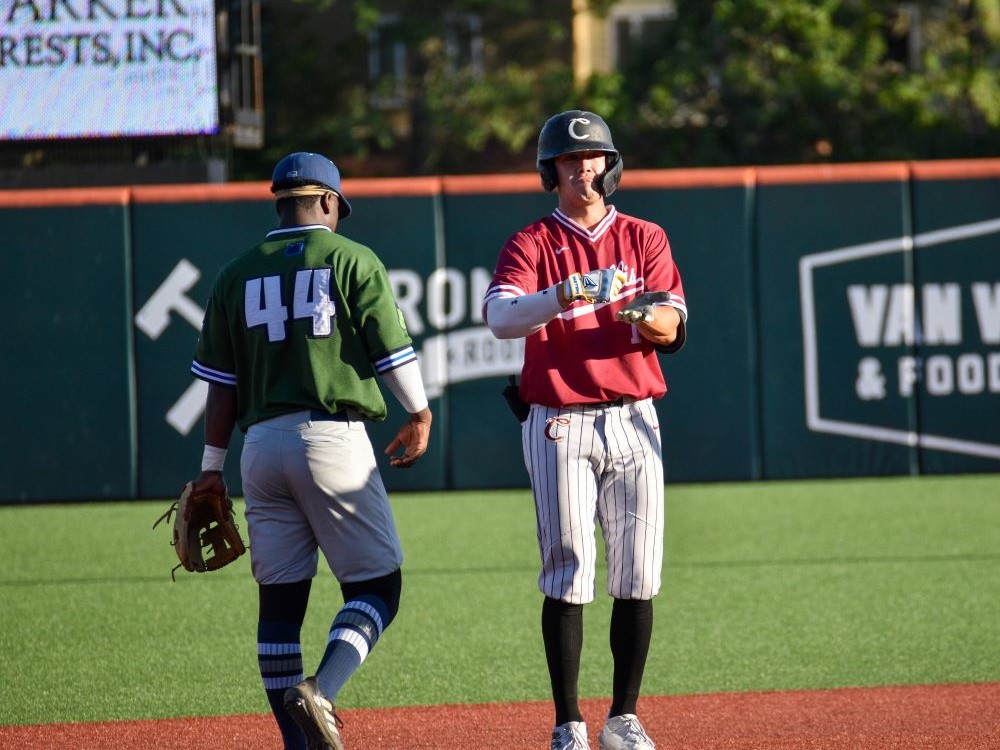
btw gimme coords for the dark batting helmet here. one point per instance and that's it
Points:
(572, 131)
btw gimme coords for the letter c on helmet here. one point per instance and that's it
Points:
(572, 131)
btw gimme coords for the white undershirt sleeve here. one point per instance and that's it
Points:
(516, 317)
(407, 385)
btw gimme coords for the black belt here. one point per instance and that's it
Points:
(620, 401)
(318, 415)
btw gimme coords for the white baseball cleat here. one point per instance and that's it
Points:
(624, 733)
(315, 715)
(570, 736)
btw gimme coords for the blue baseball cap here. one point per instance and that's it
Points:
(305, 173)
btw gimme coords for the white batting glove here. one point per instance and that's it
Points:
(594, 286)
(611, 282)
(641, 309)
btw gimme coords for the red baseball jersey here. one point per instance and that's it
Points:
(584, 355)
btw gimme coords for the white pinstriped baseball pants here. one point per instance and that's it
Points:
(590, 465)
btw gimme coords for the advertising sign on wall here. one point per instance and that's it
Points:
(114, 68)
(934, 340)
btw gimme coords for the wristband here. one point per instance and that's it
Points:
(213, 458)
(572, 288)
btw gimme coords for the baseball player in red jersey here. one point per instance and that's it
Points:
(596, 293)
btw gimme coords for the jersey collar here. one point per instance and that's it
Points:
(588, 234)
(297, 230)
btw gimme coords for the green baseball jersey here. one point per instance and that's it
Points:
(304, 320)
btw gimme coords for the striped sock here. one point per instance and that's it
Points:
(355, 631)
(279, 656)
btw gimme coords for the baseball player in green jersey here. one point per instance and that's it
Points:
(295, 331)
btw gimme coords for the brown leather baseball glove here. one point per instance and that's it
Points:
(205, 533)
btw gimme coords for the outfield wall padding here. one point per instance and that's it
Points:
(67, 372)
(845, 321)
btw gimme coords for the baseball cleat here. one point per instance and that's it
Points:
(624, 733)
(570, 736)
(315, 715)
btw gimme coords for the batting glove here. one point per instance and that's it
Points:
(595, 286)
(640, 310)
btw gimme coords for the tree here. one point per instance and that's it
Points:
(726, 82)
(449, 113)
(765, 81)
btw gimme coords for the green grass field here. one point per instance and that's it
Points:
(767, 586)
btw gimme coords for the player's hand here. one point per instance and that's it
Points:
(594, 286)
(413, 437)
(210, 481)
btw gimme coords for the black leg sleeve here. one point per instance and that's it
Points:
(562, 633)
(631, 631)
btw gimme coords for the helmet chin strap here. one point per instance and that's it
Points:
(612, 173)
(599, 184)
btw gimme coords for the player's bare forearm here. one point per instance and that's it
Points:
(662, 330)
(413, 437)
(220, 418)
(220, 415)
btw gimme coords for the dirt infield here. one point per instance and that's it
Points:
(936, 717)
